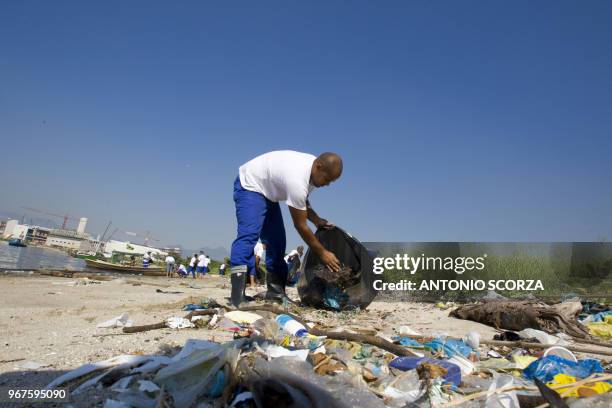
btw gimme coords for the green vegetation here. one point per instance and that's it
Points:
(559, 277)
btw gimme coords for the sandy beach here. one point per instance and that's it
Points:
(52, 321)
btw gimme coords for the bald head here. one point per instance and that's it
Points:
(326, 169)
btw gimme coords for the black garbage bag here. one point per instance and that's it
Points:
(349, 288)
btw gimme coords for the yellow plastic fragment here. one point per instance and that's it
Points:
(586, 390)
(523, 361)
(602, 329)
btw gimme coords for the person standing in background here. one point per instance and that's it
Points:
(170, 261)
(205, 265)
(201, 263)
(146, 260)
(260, 252)
(192, 265)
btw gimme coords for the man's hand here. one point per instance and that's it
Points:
(323, 223)
(330, 260)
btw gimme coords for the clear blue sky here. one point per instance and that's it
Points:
(457, 120)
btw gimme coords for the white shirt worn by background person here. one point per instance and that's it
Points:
(282, 175)
(222, 267)
(201, 260)
(182, 268)
(206, 261)
(259, 250)
(170, 259)
(290, 254)
(193, 261)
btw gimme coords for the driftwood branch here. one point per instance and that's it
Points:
(163, 325)
(146, 327)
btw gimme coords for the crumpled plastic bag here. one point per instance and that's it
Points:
(196, 374)
(120, 321)
(601, 329)
(505, 399)
(541, 336)
(547, 367)
(450, 347)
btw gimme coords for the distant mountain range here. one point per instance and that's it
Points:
(218, 253)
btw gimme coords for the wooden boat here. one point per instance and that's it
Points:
(108, 266)
(17, 242)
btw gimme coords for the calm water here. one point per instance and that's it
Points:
(36, 258)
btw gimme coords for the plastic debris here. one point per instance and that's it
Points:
(32, 365)
(547, 367)
(585, 390)
(111, 403)
(410, 363)
(147, 386)
(179, 323)
(449, 347)
(193, 345)
(407, 331)
(291, 326)
(602, 328)
(408, 342)
(561, 352)
(274, 361)
(239, 316)
(242, 397)
(505, 399)
(277, 351)
(467, 367)
(541, 336)
(120, 321)
(523, 362)
(89, 368)
(123, 384)
(189, 377)
(472, 339)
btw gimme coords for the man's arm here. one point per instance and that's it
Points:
(300, 218)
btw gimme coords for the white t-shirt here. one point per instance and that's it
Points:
(290, 254)
(193, 261)
(182, 268)
(146, 256)
(206, 261)
(222, 267)
(282, 175)
(201, 260)
(259, 250)
(170, 259)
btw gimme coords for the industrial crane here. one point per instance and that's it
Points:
(147, 236)
(66, 217)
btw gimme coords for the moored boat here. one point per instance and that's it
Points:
(150, 271)
(17, 242)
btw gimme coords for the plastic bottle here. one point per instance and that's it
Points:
(290, 325)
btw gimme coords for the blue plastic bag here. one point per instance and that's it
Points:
(547, 367)
(407, 341)
(450, 347)
(453, 374)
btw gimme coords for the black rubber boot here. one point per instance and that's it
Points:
(276, 287)
(238, 286)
